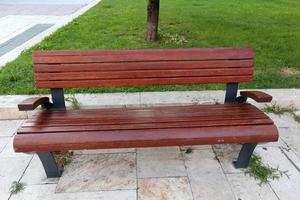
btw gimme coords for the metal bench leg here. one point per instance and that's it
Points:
(245, 155)
(50, 166)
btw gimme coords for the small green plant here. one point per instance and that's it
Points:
(188, 150)
(63, 158)
(263, 173)
(277, 109)
(75, 105)
(297, 118)
(17, 187)
(173, 38)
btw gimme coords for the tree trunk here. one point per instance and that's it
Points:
(152, 20)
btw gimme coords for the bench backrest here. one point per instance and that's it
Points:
(75, 69)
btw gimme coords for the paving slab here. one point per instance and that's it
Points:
(164, 189)
(195, 147)
(247, 188)
(291, 136)
(189, 97)
(99, 151)
(284, 120)
(47, 192)
(226, 154)
(22, 38)
(35, 174)
(8, 151)
(3, 142)
(55, 2)
(90, 173)
(11, 169)
(38, 9)
(9, 127)
(160, 162)
(286, 187)
(206, 176)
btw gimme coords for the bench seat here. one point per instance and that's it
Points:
(57, 130)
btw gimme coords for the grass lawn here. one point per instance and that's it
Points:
(271, 26)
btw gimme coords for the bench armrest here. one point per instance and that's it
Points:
(257, 96)
(32, 103)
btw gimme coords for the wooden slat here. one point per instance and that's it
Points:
(141, 74)
(142, 82)
(141, 55)
(173, 65)
(144, 138)
(142, 126)
(258, 96)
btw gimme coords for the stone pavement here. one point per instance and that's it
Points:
(155, 173)
(24, 23)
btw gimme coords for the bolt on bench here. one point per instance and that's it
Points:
(56, 129)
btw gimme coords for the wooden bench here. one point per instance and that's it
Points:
(57, 129)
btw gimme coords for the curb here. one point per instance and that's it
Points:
(283, 97)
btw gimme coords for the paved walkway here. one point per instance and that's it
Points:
(24, 23)
(155, 173)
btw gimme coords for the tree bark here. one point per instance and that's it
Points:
(152, 20)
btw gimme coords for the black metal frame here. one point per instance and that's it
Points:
(51, 168)
(245, 155)
(248, 148)
(58, 103)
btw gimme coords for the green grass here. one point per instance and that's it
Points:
(261, 172)
(279, 110)
(271, 26)
(17, 187)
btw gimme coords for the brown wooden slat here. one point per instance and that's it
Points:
(144, 66)
(124, 121)
(141, 126)
(141, 74)
(32, 103)
(143, 55)
(143, 82)
(258, 96)
(149, 117)
(204, 110)
(144, 138)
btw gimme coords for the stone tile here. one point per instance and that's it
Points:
(47, 192)
(164, 189)
(9, 127)
(160, 162)
(3, 142)
(11, 169)
(279, 143)
(291, 136)
(284, 120)
(227, 153)
(8, 151)
(36, 9)
(285, 187)
(35, 173)
(195, 147)
(88, 173)
(252, 191)
(100, 151)
(22, 38)
(11, 113)
(109, 99)
(193, 97)
(206, 176)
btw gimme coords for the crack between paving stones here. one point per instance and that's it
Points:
(187, 174)
(289, 159)
(23, 174)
